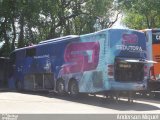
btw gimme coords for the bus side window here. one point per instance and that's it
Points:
(30, 52)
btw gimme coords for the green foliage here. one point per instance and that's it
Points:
(140, 14)
(23, 21)
(134, 21)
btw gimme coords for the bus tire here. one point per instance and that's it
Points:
(73, 89)
(60, 87)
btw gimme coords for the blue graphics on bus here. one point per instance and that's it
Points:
(86, 59)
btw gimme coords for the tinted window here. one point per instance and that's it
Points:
(30, 52)
(156, 36)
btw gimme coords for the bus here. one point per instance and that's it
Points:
(107, 60)
(153, 48)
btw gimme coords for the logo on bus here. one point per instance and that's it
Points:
(129, 43)
(80, 57)
(129, 39)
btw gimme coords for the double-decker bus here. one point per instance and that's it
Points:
(153, 48)
(107, 60)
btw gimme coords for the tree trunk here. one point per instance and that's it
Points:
(21, 34)
(14, 35)
(148, 22)
(6, 39)
(31, 34)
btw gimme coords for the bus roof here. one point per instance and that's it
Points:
(149, 29)
(59, 39)
(55, 40)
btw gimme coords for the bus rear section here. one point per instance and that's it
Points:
(128, 57)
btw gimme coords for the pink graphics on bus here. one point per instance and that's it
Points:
(81, 57)
(96, 62)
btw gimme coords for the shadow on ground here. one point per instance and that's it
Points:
(140, 104)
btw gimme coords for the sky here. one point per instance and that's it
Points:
(1, 43)
(118, 24)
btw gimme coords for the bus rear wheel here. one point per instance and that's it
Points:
(60, 88)
(73, 89)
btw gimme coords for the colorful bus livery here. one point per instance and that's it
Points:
(76, 54)
(111, 59)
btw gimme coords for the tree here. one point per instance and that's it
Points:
(23, 21)
(5, 25)
(140, 14)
